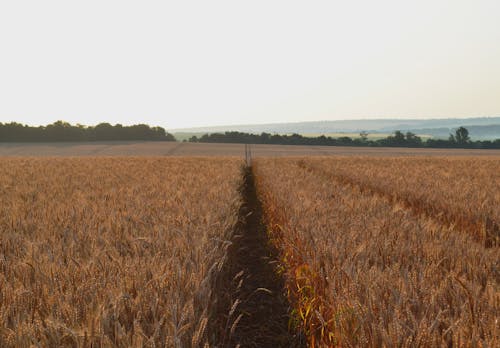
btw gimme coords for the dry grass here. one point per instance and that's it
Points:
(364, 270)
(112, 251)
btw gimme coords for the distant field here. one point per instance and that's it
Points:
(200, 149)
(186, 135)
(372, 136)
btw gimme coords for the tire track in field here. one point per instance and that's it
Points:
(101, 149)
(485, 231)
(173, 150)
(251, 307)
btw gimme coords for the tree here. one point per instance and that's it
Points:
(412, 139)
(104, 131)
(63, 131)
(462, 136)
(399, 137)
(364, 136)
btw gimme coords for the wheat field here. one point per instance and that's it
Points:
(462, 191)
(111, 252)
(333, 251)
(365, 270)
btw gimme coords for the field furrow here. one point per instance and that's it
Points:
(251, 305)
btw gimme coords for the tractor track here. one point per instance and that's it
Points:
(251, 306)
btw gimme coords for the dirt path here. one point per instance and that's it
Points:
(174, 149)
(252, 307)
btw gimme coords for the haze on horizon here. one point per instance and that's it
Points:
(199, 63)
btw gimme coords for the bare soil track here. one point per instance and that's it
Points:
(252, 309)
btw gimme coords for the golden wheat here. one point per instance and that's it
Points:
(363, 270)
(463, 192)
(111, 251)
(119, 252)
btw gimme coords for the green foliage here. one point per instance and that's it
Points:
(462, 135)
(398, 139)
(63, 131)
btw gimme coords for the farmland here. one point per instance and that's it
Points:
(179, 149)
(364, 268)
(463, 192)
(110, 252)
(110, 246)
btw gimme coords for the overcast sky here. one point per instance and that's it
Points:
(184, 63)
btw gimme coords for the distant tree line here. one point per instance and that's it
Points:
(460, 139)
(63, 131)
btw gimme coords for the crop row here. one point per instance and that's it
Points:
(459, 192)
(361, 270)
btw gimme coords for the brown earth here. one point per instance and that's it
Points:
(127, 148)
(251, 305)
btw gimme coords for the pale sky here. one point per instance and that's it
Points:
(186, 63)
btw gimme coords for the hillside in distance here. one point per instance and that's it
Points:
(479, 127)
(476, 132)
